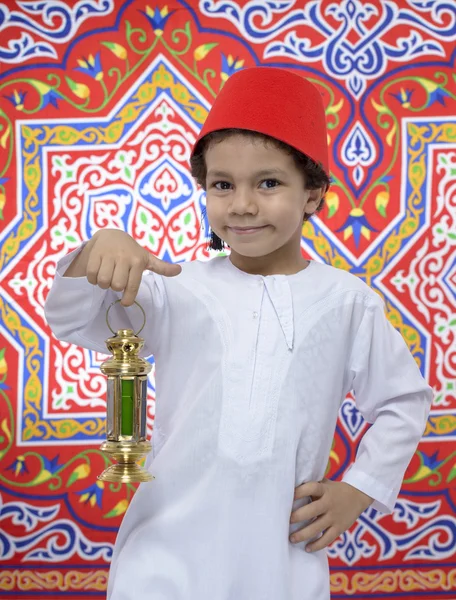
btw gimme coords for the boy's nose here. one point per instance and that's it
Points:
(242, 202)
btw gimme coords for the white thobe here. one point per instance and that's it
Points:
(251, 372)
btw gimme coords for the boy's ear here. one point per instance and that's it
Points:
(314, 200)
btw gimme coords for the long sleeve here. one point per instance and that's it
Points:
(76, 310)
(393, 396)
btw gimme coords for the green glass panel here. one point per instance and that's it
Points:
(127, 406)
(143, 408)
(110, 407)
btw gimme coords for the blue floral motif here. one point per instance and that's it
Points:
(57, 21)
(91, 66)
(57, 539)
(165, 184)
(18, 466)
(355, 62)
(357, 225)
(351, 418)
(358, 152)
(52, 465)
(404, 97)
(230, 65)
(51, 98)
(157, 18)
(93, 494)
(17, 99)
(25, 48)
(352, 547)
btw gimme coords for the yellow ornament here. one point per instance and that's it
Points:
(381, 202)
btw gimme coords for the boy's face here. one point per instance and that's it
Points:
(252, 184)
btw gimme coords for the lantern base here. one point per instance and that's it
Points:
(126, 473)
(126, 453)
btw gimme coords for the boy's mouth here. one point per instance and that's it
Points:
(246, 230)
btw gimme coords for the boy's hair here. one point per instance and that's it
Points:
(314, 175)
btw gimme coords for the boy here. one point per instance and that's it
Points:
(254, 352)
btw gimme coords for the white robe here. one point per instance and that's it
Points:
(251, 372)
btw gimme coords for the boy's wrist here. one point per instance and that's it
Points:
(364, 500)
(78, 266)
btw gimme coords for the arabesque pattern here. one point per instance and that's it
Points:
(100, 102)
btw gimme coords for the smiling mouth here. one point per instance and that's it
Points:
(246, 230)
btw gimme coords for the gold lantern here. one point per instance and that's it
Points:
(126, 405)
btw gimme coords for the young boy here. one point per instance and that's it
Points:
(254, 352)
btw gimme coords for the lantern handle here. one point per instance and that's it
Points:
(137, 304)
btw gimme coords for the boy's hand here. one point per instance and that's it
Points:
(336, 506)
(113, 259)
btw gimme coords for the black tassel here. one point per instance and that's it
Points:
(216, 243)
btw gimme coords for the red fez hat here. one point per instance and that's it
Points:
(274, 102)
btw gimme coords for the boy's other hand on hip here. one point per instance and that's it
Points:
(336, 506)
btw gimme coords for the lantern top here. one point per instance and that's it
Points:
(125, 347)
(125, 342)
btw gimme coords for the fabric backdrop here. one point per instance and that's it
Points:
(99, 104)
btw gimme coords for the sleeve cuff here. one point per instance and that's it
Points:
(77, 284)
(63, 264)
(384, 498)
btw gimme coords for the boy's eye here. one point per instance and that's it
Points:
(270, 183)
(221, 185)
(265, 184)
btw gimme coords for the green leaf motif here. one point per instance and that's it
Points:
(452, 474)
(71, 479)
(331, 211)
(71, 84)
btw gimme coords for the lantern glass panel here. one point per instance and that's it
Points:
(143, 396)
(110, 407)
(127, 390)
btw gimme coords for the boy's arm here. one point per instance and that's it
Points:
(76, 266)
(76, 310)
(391, 394)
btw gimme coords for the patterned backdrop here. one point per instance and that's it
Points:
(100, 101)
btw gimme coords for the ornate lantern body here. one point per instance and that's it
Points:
(126, 408)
